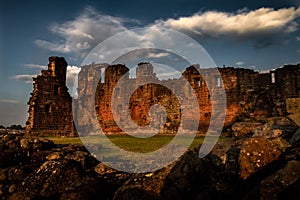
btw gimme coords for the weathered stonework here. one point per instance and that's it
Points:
(293, 109)
(250, 95)
(50, 104)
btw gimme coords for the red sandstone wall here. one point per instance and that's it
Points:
(250, 95)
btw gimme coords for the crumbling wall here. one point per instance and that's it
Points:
(50, 105)
(250, 95)
(85, 105)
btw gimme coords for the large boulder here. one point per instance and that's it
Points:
(50, 179)
(244, 128)
(236, 164)
(295, 139)
(186, 178)
(284, 123)
(113, 178)
(282, 184)
(142, 186)
(92, 186)
(12, 176)
(256, 153)
(244, 157)
(276, 126)
(268, 131)
(36, 144)
(16, 150)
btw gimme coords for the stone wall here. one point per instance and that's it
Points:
(250, 95)
(50, 105)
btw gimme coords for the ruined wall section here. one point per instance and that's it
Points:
(287, 81)
(250, 95)
(148, 94)
(50, 105)
(88, 79)
(140, 102)
(104, 93)
(199, 88)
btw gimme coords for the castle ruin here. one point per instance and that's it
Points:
(250, 96)
(50, 104)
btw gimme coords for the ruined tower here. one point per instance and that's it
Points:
(50, 104)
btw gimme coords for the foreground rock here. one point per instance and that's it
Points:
(276, 127)
(263, 162)
(50, 179)
(37, 168)
(283, 184)
(186, 178)
(256, 153)
(244, 128)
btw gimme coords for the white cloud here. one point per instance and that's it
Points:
(239, 63)
(157, 55)
(243, 24)
(298, 38)
(80, 35)
(35, 66)
(9, 101)
(61, 48)
(24, 77)
(168, 75)
(72, 72)
(134, 43)
(84, 32)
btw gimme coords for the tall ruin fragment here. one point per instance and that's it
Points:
(50, 104)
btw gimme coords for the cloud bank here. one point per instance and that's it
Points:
(27, 78)
(242, 24)
(35, 66)
(84, 32)
(261, 27)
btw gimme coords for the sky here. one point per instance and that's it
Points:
(255, 34)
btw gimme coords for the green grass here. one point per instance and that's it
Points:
(64, 140)
(126, 142)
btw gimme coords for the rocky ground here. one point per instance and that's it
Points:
(259, 161)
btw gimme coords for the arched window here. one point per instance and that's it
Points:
(218, 82)
(273, 77)
(102, 75)
(197, 82)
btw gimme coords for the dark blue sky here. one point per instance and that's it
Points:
(31, 31)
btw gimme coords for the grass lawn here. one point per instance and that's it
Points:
(126, 142)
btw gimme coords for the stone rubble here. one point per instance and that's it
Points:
(246, 167)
